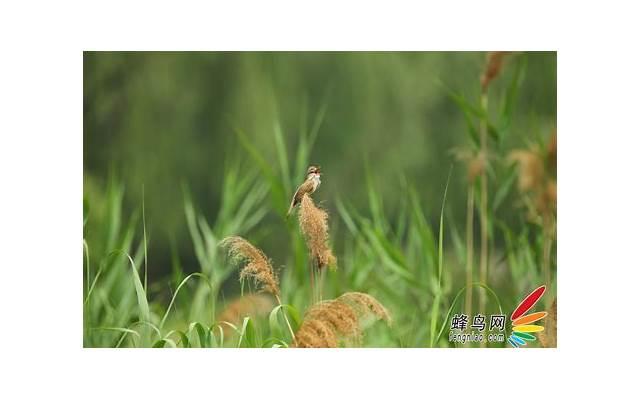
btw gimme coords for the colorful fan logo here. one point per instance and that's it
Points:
(522, 328)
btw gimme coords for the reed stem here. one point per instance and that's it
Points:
(484, 230)
(286, 319)
(312, 275)
(469, 282)
(321, 277)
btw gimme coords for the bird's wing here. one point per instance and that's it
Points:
(306, 187)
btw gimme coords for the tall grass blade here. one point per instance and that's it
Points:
(144, 239)
(203, 333)
(435, 309)
(125, 332)
(175, 294)
(87, 267)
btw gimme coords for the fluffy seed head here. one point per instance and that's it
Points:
(530, 169)
(331, 322)
(494, 65)
(251, 305)
(256, 266)
(316, 333)
(537, 178)
(315, 228)
(365, 304)
(337, 315)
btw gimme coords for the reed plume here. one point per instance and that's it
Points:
(256, 266)
(332, 322)
(338, 316)
(495, 60)
(315, 228)
(251, 305)
(537, 180)
(365, 305)
(314, 334)
(530, 168)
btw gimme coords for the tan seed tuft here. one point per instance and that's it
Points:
(339, 317)
(530, 169)
(537, 179)
(494, 64)
(316, 333)
(251, 305)
(257, 266)
(366, 304)
(315, 228)
(331, 322)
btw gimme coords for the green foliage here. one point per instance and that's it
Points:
(399, 262)
(383, 230)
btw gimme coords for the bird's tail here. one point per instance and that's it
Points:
(291, 207)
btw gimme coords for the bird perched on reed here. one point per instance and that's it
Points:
(309, 186)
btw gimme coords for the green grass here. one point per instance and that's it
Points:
(415, 274)
(393, 255)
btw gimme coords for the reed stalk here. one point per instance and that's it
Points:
(312, 280)
(484, 216)
(469, 268)
(286, 320)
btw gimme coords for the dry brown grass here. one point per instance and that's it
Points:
(315, 228)
(332, 322)
(257, 265)
(252, 305)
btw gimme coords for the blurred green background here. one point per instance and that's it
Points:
(165, 122)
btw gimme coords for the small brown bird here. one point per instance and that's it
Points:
(308, 186)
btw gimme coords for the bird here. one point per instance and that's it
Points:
(309, 186)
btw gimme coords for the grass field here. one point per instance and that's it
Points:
(399, 274)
